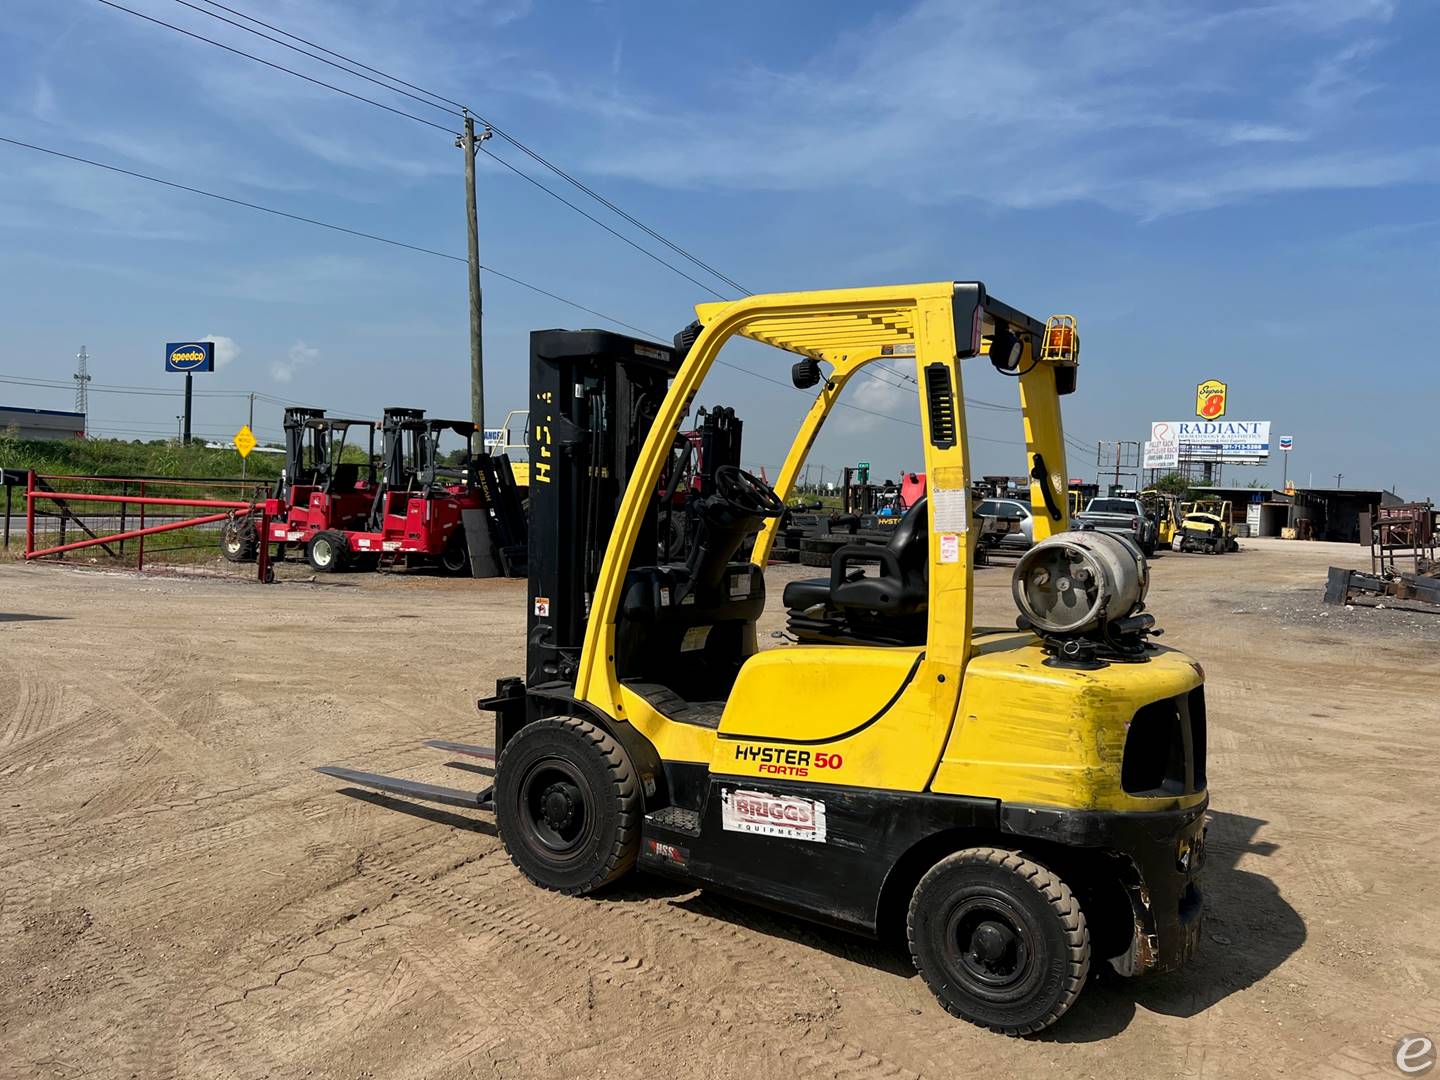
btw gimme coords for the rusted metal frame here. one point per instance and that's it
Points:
(30, 510)
(263, 562)
(154, 500)
(32, 495)
(183, 523)
(66, 514)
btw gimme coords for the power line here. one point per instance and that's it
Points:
(277, 67)
(501, 132)
(320, 224)
(332, 52)
(313, 56)
(615, 209)
(591, 217)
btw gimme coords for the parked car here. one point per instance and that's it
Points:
(1123, 517)
(1013, 510)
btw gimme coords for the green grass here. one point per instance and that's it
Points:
(114, 457)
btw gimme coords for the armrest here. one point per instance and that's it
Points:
(840, 561)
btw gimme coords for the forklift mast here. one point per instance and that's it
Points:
(398, 452)
(593, 398)
(297, 470)
(719, 444)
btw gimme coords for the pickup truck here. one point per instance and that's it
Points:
(1123, 517)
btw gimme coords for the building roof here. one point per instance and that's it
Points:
(42, 412)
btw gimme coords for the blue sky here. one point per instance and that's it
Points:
(1235, 191)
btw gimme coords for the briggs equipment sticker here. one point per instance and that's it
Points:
(772, 815)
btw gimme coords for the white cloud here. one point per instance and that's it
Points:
(226, 349)
(44, 104)
(299, 356)
(1118, 105)
(881, 391)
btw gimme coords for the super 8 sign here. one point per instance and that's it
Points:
(1210, 399)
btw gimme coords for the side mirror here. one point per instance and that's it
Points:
(1006, 349)
(805, 374)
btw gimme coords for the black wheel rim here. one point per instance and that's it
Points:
(556, 809)
(989, 947)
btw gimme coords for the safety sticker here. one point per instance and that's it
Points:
(695, 638)
(390, 545)
(949, 548)
(772, 815)
(542, 606)
(951, 509)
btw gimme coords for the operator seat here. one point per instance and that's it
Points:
(890, 607)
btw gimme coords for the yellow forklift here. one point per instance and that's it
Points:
(1206, 525)
(1165, 508)
(1014, 804)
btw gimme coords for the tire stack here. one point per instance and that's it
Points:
(818, 550)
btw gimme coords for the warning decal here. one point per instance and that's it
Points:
(772, 815)
(949, 548)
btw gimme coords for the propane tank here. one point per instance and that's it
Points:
(1075, 582)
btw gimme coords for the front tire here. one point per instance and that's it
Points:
(1000, 940)
(325, 552)
(568, 805)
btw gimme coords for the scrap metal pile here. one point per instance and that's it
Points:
(1403, 560)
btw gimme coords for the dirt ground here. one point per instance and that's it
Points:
(180, 896)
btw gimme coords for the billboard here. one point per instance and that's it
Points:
(190, 356)
(1161, 455)
(1234, 442)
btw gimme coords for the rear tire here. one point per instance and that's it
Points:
(455, 559)
(325, 552)
(568, 805)
(238, 542)
(1000, 940)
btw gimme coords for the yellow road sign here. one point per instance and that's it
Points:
(1210, 399)
(245, 441)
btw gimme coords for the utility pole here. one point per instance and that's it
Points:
(1338, 477)
(82, 377)
(470, 143)
(251, 425)
(179, 428)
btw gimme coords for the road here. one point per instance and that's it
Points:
(181, 897)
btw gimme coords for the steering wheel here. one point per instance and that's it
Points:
(747, 493)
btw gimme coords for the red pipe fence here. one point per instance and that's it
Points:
(34, 493)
